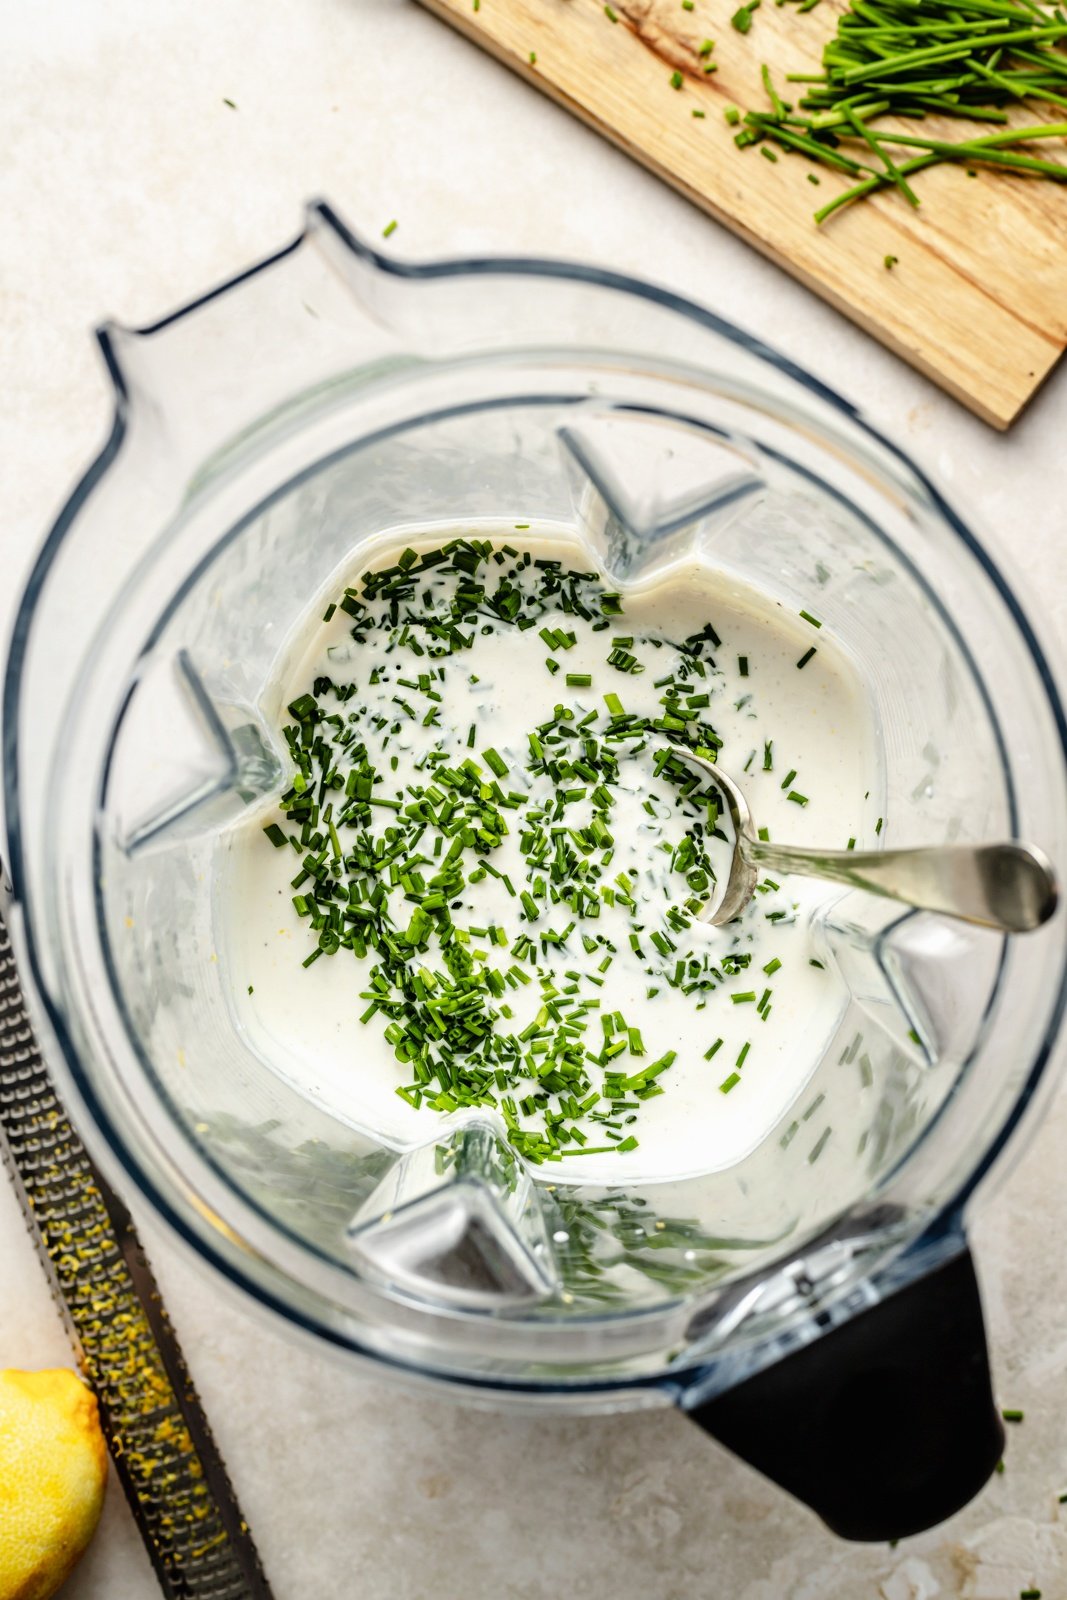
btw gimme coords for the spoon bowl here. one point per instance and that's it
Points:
(1008, 886)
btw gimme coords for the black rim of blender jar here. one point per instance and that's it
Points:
(116, 1146)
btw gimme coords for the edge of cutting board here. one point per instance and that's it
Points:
(999, 405)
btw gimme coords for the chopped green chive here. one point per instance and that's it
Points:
(806, 657)
(905, 62)
(397, 815)
(391, 227)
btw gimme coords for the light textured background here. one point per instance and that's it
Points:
(127, 185)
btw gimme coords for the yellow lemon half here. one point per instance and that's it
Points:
(53, 1470)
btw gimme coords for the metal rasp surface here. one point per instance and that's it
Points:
(160, 1441)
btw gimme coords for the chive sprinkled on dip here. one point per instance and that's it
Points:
(478, 892)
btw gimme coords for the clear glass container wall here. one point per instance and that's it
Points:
(372, 401)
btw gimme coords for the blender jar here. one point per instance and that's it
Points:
(814, 1304)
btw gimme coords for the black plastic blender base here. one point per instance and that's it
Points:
(885, 1425)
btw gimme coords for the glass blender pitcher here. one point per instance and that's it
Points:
(813, 1305)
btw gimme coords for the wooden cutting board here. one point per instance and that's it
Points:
(978, 298)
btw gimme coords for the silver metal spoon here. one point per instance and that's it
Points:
(1008, 886)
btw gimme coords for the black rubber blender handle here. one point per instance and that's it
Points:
(885, 1425)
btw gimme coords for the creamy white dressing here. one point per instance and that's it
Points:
(816, 721)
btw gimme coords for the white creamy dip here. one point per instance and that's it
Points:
(740, 1014)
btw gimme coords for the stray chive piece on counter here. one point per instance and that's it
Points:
(391, 227)
(1030, 1594)
(1011, 1415)
(742, 18)
(533, 58)
(676, 80)
(612, 16)
(889, 262)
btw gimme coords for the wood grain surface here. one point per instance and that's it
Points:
(978, 297)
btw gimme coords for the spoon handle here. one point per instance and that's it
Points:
(1011, 887)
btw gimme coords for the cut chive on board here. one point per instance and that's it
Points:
(977, 298)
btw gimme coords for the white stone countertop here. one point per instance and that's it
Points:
(127, 185)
